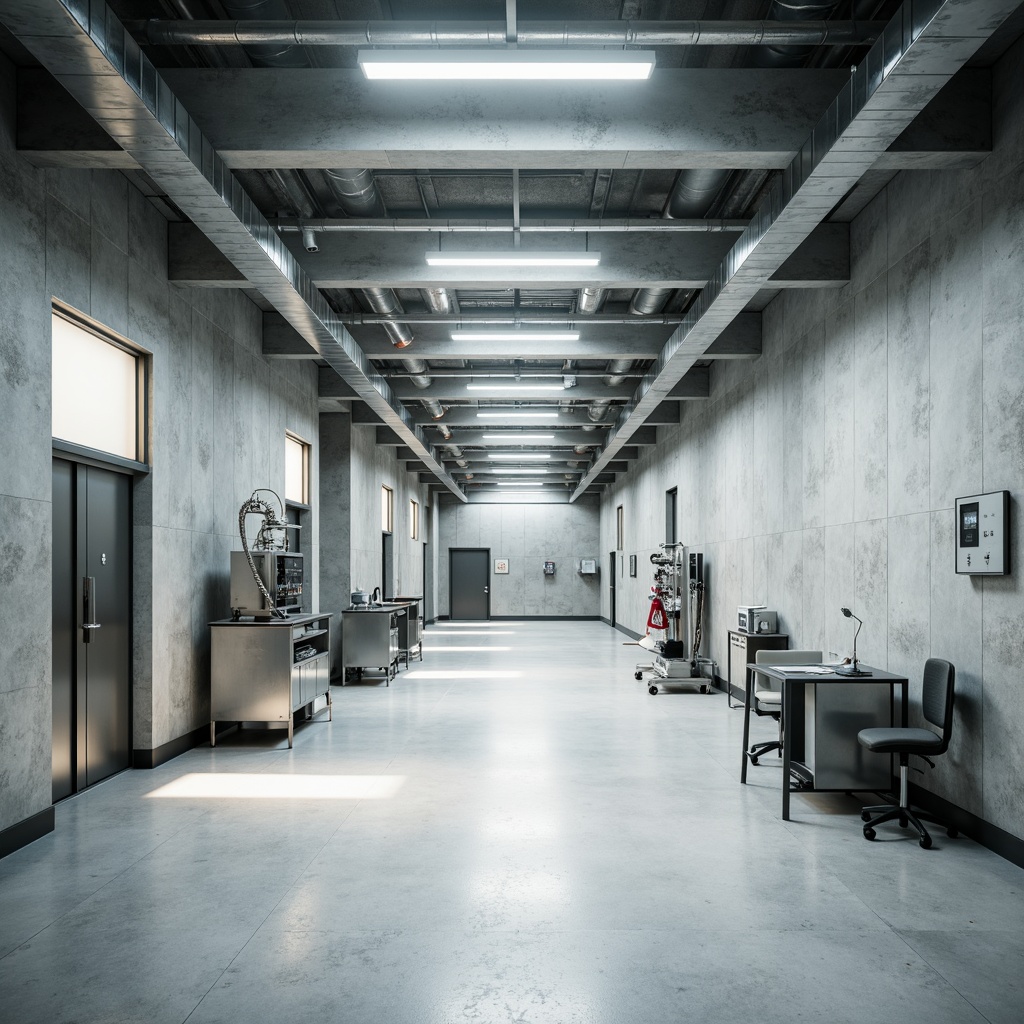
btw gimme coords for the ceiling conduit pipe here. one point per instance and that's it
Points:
(437, 299)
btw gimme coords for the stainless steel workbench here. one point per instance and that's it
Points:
(266, 670)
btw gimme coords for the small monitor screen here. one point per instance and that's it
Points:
(969, 525)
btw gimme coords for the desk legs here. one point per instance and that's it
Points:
(746, 727)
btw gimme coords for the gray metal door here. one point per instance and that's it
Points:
(91, 625)
(468, 584)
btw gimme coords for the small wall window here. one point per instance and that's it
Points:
(296, 470)
(619, 531)
(671, 514)
(387, 509)
(414, 520)
(97, 390)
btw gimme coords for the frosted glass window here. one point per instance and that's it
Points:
(296, 470)
(414, 520)
(95, 391)
(387, 509)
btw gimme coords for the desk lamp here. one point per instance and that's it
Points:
(853, 669)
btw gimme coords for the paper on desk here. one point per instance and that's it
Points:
(811, 670)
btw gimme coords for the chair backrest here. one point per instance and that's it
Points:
(782, 658)
(937, 697)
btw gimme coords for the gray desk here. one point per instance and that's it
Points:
(822, 714)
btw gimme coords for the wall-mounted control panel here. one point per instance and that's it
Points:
(983, 534)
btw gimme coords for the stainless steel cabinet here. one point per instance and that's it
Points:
(265, 671)
(369, 639)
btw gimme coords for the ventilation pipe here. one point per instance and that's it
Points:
(356, 191)
(776, 56)
(437, 299)
(385, 301)
(266, 54)
(456, 453)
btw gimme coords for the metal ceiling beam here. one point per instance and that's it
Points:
(627, 261)
(83, 45)
(955, 132)
(923, 47)
(497, 34)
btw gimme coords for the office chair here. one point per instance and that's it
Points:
(766, 699)
(937, 705)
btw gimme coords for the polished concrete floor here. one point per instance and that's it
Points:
(513, 831)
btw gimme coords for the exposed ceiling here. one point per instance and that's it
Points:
(360, 180)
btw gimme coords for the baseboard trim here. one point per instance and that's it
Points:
(145, 758)
(622, 629)
(545, 618)
(984, 832)
(14, 837)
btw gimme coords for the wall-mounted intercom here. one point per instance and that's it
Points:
(549, 568)
(983, 534)
(588, 566)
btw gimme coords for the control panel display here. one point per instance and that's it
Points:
(983, 534)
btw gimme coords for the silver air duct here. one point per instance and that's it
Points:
(267, 54)
(590, 300)
(385, 301)
(437, 299)
(309, 242)
(356, 191)
(456, 453)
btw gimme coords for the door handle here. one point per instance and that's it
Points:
(88, 608)
(487, 590)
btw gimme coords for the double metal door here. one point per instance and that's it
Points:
(91, 625)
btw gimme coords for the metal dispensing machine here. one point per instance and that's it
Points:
(678, 575)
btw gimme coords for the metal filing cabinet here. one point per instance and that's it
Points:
(742, 649)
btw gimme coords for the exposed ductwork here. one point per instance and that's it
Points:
(591, 300)
(649, 300)
(263, 50)
(385, 301)
(779, 54)
(285, 34)
(693, 193)
(437, 299)
(456, 453)
(356, 191)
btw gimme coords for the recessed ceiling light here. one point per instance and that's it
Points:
(518, 335)
(510, 387)
(517, 258)
(519, 456)
(507, 65)
(517, 415)
(517, 472)
(511, 438)
(521, 483)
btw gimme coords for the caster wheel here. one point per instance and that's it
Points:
(638, 676)
(652, 690)
(753, 758)
(926, 842)
(705, 689)
(952, 833)
(864, 816)
(869, 833)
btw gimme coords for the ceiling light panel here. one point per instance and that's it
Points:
(516, 258)
(518, 438)
(517, 415)
(515, 387)
(518, 335)
(507, 65)
(517, 472)
(519, 456)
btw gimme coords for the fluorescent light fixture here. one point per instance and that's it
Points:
(519, 456)
(517, 472)
(519, 335)
(517, 415)
(521, 483)
(516, 438)
(515, 387)
(513, 258)
(507, 65)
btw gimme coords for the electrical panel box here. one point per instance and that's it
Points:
(588, 566)
(549, 568)
(983, 534)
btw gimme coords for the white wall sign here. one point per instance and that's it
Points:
(501, 566)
